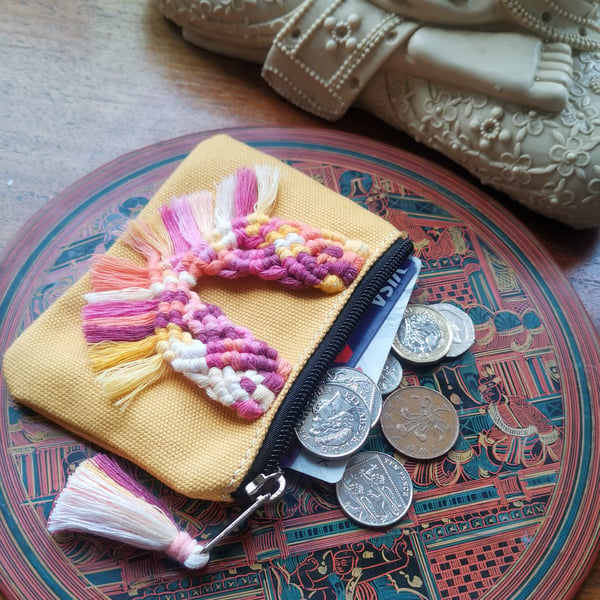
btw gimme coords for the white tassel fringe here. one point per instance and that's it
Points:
(100, 498)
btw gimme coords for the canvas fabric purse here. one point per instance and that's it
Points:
(181, 427)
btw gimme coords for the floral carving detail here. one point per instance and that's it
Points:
(594, 183)
(490, 128)
(531, 121)
(231, 20)
(516, 168)
(581, 118)
(227, 7)
(341, 32)
(569, 155)
(595, 85)
(558, 193)
(549, 162)
(441, 109)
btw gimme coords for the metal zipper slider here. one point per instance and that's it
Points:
(252, 489)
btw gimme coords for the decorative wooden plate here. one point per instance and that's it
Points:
(511, 512)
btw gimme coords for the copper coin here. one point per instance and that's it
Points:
(424, 335)
(419, 422)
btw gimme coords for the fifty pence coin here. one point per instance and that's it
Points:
(375, 489)
(463, 331)
(419, 422)
(337, 424)
(362, 384)
(424, 335)
(391, 375)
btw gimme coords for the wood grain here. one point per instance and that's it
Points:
(83, 82)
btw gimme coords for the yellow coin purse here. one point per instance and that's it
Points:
(193, 346)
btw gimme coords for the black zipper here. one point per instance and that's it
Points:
(292, 410)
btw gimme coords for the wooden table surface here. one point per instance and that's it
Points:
(85, 81)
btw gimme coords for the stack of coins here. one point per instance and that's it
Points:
(418, 422)
(375, 489)
(428, 334)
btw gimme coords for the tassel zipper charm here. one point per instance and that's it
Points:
(101, 498)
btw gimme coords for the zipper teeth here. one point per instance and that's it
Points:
(334, 345)
(296, 411)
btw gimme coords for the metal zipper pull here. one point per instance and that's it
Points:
(252, 489)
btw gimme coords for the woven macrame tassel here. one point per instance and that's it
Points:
(113, 273)
(149, 317)
(225, 204)
(267, 182)
(149, 238)
(102, 499)
(123, 382)
(246, 191)
(202, 206)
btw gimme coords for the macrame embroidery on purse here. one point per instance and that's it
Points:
(139, 320)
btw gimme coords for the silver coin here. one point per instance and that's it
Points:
(362, 384)
(375, 489)
(424, 335)
(337, 424)
(463, 331)
(391, 375)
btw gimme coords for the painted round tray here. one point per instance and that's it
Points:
(510, 512)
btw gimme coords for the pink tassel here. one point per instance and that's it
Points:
(171, 223)
(183, 214)
(100, 498)
(246, 192)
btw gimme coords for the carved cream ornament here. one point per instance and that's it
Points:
(508, 89)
